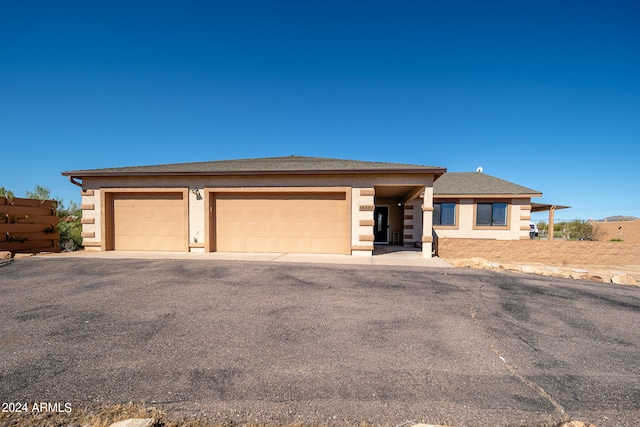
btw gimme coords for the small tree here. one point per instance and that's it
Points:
(580, 230)
(6, 193)
(543, 229)
(39, 192)
(577, 229)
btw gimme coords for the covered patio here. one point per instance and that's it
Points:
(543, 207)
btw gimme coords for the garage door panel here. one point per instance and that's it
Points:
(147, 229)
(280, 222)
(148, 221)
(318, 244)
(331, 231)
(151, 243)
(292, 244)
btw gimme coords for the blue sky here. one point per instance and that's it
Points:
(545, 94)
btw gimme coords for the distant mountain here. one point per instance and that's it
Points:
(618, 218)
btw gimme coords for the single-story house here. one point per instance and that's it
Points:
(293, 204)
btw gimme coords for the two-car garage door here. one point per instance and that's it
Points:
(280, 222)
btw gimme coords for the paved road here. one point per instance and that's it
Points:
(243, 341)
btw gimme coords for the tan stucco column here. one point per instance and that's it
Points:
(427, 223)
(552, 211)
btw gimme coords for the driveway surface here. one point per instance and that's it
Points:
(328, 344)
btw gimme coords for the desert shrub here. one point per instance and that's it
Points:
(70, 226)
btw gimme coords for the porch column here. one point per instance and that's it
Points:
(427, 223)
(552, 211)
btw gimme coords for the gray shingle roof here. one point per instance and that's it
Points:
(452, 183)
(288, 164)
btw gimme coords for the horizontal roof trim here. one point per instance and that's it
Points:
(487, 196)
(97, 173)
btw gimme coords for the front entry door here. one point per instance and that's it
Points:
(381, 226)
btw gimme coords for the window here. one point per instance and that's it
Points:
(491, 214)
(444, 214)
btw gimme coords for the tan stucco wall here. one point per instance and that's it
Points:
(360, 220)
(362, 194)
(560, 252)
(627, 231)
(518, 217)
(427, 222)
(413, 222)
(197, 236)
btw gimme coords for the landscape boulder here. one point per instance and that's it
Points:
(134, 422)
(576, 424)
(623, 279)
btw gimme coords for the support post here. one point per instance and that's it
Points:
(427, 223)
(550, 225)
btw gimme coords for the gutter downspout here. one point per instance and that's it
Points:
(74, 182)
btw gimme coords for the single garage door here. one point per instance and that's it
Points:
(148, 222)
(280, 222)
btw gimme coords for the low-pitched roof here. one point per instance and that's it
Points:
(477, 183)
(268, 165)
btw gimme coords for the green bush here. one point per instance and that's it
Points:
(70, 226)
(577, 229)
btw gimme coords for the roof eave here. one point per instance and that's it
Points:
(488, 195)
(91, 174)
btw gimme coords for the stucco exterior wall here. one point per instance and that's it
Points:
(518, 217)
(362, 202)
(626, 231)
(91, 219)
(197, 236)
(427, 222)
(412, 222)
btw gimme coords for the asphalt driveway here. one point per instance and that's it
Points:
(240, 341)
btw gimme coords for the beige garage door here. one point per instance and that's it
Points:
(277, 222)
(149, 222)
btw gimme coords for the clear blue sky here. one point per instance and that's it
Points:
(545, 94)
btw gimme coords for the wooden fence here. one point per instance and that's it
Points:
(28, 226)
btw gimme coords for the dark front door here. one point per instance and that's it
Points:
(381, 226)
